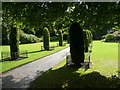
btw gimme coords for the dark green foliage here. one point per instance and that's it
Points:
(68, 39)
(29, 38)
(87, 39)
(5, 35)
(14, 43)
(60, 37)
(86, 43)
(29, 31)
(46, 38)
(39, 32)
(65, 36)
(76, 44)
(110, 38)
(53, 38)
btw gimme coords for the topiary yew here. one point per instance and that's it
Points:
(76, 44)
(46, 38)
(60, 37)
(14, 43)
(87, 39)
(86, 44)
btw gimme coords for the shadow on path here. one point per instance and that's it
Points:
(11, 82)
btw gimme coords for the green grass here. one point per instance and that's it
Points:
(34, 53)
(103, 73)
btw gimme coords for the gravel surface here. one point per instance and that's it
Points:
(22, 76)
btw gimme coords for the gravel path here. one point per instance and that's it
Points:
(22, 76)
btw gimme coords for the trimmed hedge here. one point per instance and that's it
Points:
(88, 38)
(60, 37)
(14, 43)
(29, 38)
(46, 38)
(86, 43)
(76, 44)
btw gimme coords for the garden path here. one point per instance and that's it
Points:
(22, 76)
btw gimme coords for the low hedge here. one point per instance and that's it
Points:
(29, 38)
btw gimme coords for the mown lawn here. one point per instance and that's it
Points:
(102, 74)
(34, 53)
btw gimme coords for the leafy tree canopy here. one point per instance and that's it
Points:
(95, 16)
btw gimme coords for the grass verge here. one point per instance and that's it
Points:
(34, 53)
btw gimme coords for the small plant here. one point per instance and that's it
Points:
(46, 38)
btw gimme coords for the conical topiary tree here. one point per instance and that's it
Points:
(14, 43)
(76, 44)
(87, 39)
(60, 37)
(68, 38)
(91, 38)
(86, 43)
(46, 38)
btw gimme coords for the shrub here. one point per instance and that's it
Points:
(60, 37)
(29, 38)
(46, 38)
(110, 38)
(14, 43)
(87, 39)
(76, 44)
(86, 43)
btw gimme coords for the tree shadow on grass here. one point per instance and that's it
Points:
(67, 77)
(40, 51)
